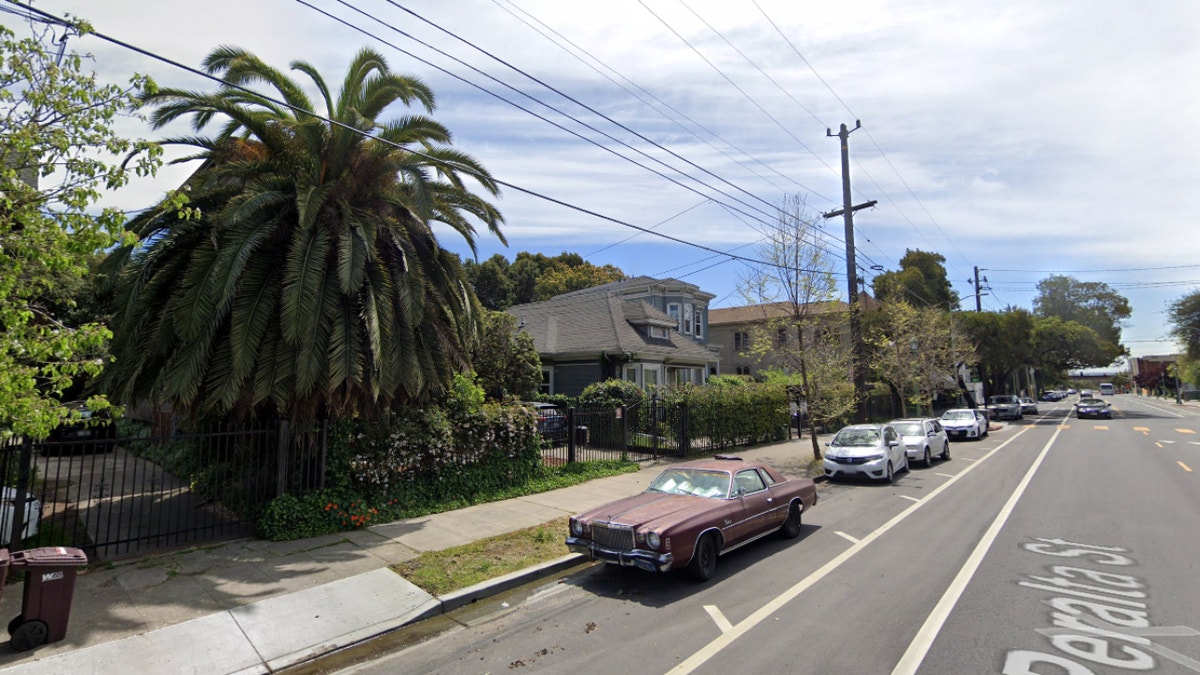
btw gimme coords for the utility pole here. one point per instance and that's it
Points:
(847, 212)
(978, 289)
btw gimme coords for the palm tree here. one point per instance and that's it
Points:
(304, 278)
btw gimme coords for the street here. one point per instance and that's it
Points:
(1054, 545)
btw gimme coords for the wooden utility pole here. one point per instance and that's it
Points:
(847, 213)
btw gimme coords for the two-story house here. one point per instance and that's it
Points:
(644, 330)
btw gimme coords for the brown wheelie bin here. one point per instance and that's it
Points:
(49, 588)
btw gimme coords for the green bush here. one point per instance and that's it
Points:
(611, 393)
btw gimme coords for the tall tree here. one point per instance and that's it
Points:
(913, 349)
(1003, 343)
(921, 280)
(308, 280)
(56, 128)
(562, 278)
(1088, 303)
(1184, 316)
(798, 278)
(492, 282)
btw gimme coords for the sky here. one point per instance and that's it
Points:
(1026, 138)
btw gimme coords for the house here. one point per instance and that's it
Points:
(644, 330)
(732, 330)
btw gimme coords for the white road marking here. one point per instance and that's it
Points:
(718, 618)
(701, 656)
(845, 536)
(972, 459)
(947, 475)
(921, 643)
(1162, 443)
(911, 499)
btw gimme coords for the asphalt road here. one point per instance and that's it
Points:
(1055, 545)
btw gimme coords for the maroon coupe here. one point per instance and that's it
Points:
(692, 513)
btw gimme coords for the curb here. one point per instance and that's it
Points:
(485, 589)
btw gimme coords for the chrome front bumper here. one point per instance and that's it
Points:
(651, 561)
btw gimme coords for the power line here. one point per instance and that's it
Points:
(313, 114)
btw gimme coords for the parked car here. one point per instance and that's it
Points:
(551, 422)
(1093, 407)
(84, 432)
(1053, 395)
(1028, 406)
(965, 423)
(691, 514)
(871, 450)
(923, 439)
(1005, 406)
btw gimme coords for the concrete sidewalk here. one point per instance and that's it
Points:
(253, 606)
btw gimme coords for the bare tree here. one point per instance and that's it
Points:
(802, 335)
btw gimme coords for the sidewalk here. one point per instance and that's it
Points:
(253, 606)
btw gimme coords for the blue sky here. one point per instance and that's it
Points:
(1023, 137)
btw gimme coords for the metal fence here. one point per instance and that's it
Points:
(113, 495)
(650, 429)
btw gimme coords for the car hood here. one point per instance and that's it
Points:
(653, 509)
(957, 424)
(854, 450)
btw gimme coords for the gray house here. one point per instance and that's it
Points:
(643, 330)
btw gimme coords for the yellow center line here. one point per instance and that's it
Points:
(1185, 467)
(1158, 444)
(1184, 431)
(1100, 427)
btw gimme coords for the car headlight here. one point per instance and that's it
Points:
(576, 527)
(653, 540)
(872, 458)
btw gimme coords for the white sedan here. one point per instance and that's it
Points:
(871, 450)
(965, 423)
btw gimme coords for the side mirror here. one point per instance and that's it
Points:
(741, 492)
(892, 444)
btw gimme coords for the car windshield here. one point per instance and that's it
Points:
(958, 415)
(857, 437)
(697, 482)
(1091, 401)
(908, 428)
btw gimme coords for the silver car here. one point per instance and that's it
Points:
(871, 450)
(1005, 406)
(965, 423)
(923, 438)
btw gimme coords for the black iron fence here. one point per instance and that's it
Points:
(114, 494)
(651, 429)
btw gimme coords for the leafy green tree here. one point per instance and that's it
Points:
(913, 349)
(56, 127)
(1059, 346)
(505, 359)
(492, 283)
(1183, 315)
(308, 280)
(1003, 343)
(562, 278)
(921, 280)
(1088, 303)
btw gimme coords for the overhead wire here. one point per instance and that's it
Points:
(208, 76)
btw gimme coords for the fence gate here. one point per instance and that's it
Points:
(112, 495)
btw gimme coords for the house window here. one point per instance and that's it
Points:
(651, 378)
(631, 374)
(673, 311)
(687, 319)
(781, 337)
(547, 386)
(699, 324)
(741, 341)
(741, 370)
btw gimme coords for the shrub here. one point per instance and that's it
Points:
(611, 393)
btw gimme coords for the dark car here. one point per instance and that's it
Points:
(83, 432)
(692, 513)
(551, 422)
(1093, 407)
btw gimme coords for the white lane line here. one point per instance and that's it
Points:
(911, 499)
(845, 536)
(947, 475)
(718, 618)
(701, 656)
(924, 638)
(971, 459)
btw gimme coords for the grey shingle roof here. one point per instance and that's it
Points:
(590, 323)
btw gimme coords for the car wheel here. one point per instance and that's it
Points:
(946, 452)
(928, 457)
(890, 477)
(704, 559)
(791, 526)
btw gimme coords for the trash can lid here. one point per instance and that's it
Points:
(49, 556)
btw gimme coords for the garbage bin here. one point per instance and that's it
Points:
(49, 588)
(581, 435)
